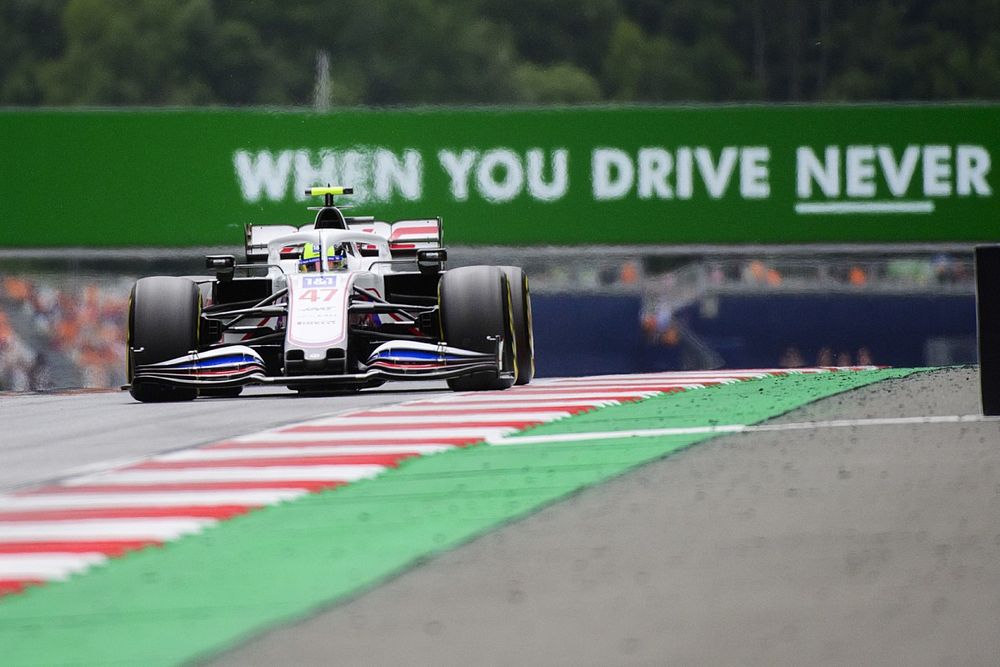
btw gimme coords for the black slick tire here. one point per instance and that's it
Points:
(164, 313)
(524, 339)
(475, 307)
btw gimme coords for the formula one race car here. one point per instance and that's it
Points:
(339, 305)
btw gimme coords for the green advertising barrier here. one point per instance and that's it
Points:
(632, 175)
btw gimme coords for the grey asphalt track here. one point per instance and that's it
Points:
(47, 436)
(864, 545)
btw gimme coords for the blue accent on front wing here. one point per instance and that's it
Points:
(214, 363)
(418, 355)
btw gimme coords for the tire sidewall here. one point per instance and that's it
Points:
(163, 319)
(475, 304)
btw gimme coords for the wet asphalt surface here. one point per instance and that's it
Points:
(817, 546)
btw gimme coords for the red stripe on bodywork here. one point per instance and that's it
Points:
(404, 231)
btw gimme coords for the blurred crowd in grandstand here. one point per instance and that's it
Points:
(62, 333)
(667, 294)
(665, 277)
(58, 330)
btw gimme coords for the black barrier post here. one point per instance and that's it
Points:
(988, 322)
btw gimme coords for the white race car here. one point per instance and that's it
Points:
(338, 305)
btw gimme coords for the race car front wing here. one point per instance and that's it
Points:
(238, 365)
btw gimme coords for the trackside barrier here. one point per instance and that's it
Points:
(988, 323)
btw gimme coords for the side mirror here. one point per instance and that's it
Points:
(224, 265)
(430, 260)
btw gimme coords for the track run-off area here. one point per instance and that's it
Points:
(185, 532)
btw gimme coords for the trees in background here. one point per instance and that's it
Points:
(235, 52)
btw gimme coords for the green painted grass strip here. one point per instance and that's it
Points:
(199, 595)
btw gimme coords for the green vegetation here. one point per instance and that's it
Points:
(235, 52)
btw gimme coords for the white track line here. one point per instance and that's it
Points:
(207, 498)
(321, 473)
(739, 428)
(616, 435)
(101, 529)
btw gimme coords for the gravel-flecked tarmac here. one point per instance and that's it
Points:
(842, 546)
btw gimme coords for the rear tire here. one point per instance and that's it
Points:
(475, 304)
(524, 338)
(164, 312)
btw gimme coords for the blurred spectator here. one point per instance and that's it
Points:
(82, 324)
(659, 326)
(16, 358)
(759, 273)
(791, 358)
(947, 270)
(856, 276)
(864, 356)
(909, 271)
(39, 374)
(630, 272)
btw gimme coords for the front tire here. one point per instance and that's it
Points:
(164, 313)
(524, 338)
(475, 306)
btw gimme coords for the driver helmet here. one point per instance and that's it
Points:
(310, 260)
(336, 257)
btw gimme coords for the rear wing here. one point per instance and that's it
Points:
(257, 238)
(405, 237)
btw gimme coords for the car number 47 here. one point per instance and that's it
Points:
(318, 294)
